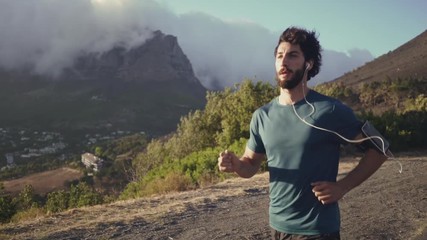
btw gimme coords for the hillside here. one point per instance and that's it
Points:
(407, 61)
(396, 81)
(389, 205)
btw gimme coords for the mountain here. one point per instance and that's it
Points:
(146, 88)
(160, 59)
(396, 81)
(407, 61)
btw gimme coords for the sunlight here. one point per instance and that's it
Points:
(109, 3)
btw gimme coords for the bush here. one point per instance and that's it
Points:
(83, 195)
(195, 170)
(173, 182)
(224, 120)
(28, 214)
(405, 131)
(26, 198)
(7, 209)
(57, 201)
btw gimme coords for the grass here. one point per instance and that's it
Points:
(43, 182)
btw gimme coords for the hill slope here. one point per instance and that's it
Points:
(407, 61)
(396, 81)
(389, 205)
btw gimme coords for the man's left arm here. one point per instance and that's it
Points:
(329, 192)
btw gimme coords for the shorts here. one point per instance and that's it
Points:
(276, 235)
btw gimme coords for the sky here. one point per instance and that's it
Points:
(225, 40)
(376, 25)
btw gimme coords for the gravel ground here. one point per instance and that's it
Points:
(390, 205)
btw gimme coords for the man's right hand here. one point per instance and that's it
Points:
(228, 162)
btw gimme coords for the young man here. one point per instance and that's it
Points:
(300, 133)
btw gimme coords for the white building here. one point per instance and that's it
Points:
(92, 161)
(9, 158)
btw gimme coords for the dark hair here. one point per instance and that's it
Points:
(309, 46)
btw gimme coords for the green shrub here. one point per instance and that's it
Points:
(28, 214)
(405, 131)
(83, 195)
(173, 182)
(57, 201)
(26, 198)
(195, 170)
(7, 209)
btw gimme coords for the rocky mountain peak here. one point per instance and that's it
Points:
(159, 59)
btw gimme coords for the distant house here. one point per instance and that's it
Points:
(92, 161)
(9, 159)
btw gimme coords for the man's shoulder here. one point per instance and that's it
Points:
(322, 97)
(266, 107)
(329, 106)
(324, 101)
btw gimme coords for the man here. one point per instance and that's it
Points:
(300, 133)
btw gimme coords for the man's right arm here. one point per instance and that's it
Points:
(247, 166)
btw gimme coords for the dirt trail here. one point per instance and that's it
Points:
(388, 206)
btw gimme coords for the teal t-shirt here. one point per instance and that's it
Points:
(298, 155)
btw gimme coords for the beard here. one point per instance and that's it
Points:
(293, 82)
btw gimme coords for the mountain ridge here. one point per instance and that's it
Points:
(122, 88)
(406, 61)
(394, 82)
(160, 58)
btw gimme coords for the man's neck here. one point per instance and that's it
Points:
(291, 96)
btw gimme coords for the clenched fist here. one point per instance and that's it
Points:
(228, 162)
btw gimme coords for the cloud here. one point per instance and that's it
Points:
(47, 35)
(335, 64)
(226, 52)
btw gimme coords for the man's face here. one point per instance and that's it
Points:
(289, 65)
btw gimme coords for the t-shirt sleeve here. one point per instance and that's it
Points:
(255, 142)
(347, 123)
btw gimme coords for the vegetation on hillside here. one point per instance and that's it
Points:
(100, 188)
(397, 107)
(398, 95)
(190, 155)
(28, 204)
(187, 158)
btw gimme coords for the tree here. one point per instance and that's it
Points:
(154, 155)
(98, 151)
(57, 201)
(7, 208)
(82, 195)
(26, 198)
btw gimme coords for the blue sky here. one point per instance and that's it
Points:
(226, 41)
(376, 25)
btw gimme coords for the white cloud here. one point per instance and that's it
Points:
(335, 64)
(49, 34)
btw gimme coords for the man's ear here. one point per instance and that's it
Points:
(308, 65)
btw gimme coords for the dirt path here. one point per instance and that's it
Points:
(388, 206)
